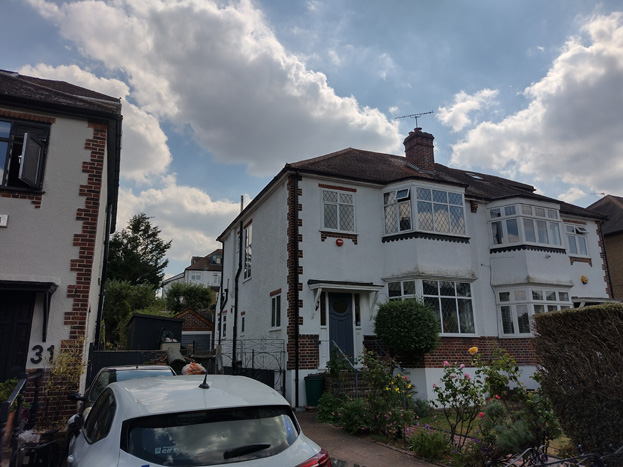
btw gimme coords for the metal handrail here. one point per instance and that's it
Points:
(5, 406)
(345, 357)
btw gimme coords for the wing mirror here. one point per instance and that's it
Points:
(76, 397)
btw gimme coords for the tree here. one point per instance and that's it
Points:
(122, 298)
(181, 296)
(137, 253)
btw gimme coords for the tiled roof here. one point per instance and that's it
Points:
(199, 263)
(19, 88)
(611, 206)
(374, 167)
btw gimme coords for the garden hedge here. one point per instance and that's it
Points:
(407, 327)
(581, 353)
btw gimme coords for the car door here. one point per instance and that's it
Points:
(95, 445)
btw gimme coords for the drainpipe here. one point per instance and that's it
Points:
(603, 249)
(236, 287)
(223, 295)
(100, 302)
(295, 239)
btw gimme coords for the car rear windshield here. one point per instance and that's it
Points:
(210, 437)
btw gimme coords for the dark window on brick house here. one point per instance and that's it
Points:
(23, 148)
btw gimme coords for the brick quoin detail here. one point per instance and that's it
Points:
(309, 357)
(454, 350)
(294, 286)
(85, 240)
(34, 198)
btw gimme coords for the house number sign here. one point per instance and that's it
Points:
(38, 350)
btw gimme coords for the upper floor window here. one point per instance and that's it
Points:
(450, 301)
(22, 154)
(248, 240)
(524, 224)
(440, 211)
(519, 305)
(397, 205)
(195, 277)
(339, 210)
(576, 236)
(275, 316)
(437, 211)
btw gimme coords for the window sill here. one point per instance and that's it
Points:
(274, 329)
(459, 335)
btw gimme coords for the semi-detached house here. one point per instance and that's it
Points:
(59, 176)
(310, 259)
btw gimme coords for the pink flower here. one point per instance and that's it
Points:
(469, 378)
(462, 366)
(497, 397)
(452, 375)
(434, 386)
(481, 414)
(445, 363)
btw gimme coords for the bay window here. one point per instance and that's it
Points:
(524, 224)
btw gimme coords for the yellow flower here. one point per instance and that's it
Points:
(473, 350)
(396, 389)
(387, 389)
(408, 386)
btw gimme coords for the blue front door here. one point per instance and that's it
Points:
(341, 322)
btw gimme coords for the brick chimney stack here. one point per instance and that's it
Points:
(419, 150)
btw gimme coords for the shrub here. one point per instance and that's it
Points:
(430, 444)
(330, 408)
(580, 352)
(407, 326)
(356, 417)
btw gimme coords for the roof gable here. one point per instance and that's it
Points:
(611, 206)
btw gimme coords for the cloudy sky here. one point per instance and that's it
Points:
(219, 95)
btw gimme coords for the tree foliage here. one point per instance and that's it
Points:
(181, 296)
(407, 327)
(137, 253)
(122, 298)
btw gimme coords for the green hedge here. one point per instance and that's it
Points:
(407, 327)
(581, 352)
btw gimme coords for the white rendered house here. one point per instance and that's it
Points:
(330, 238)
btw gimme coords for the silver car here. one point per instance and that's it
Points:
(192, 421)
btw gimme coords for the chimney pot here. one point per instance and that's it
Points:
(419, 150)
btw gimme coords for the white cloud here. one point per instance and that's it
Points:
(220, 70)
(571, 130)
(145, 152)
(185, 214)
(457, 116)
(572, 195)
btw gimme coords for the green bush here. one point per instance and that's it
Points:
(356, 416)
(430, 444)
(407, 327)
(580, 352)
(330, 408)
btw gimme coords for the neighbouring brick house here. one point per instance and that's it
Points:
(329, 238)
(59, 175)
(197, 330)
(612, 231)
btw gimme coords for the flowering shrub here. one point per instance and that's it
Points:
(330, 408)
(460, 396)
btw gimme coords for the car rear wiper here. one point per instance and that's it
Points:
(242, 450)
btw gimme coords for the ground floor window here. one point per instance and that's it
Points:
(451, 301)
(517, 306)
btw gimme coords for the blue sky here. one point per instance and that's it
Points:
(219, 95)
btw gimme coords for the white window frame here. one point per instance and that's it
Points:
(395, 207)
(575, 233)
(454, 207)
(248, 251)
(410, 288)
(530, 301)
(341, 204)
(275, 313)
(519, 224)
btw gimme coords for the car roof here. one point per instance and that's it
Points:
(136, 367)
(152, 396)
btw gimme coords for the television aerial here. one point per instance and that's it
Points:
(416, 116)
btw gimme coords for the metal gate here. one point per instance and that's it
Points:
(260, 359)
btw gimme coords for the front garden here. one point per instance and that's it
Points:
(487, 417)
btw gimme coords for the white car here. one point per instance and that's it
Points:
(191, 421)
